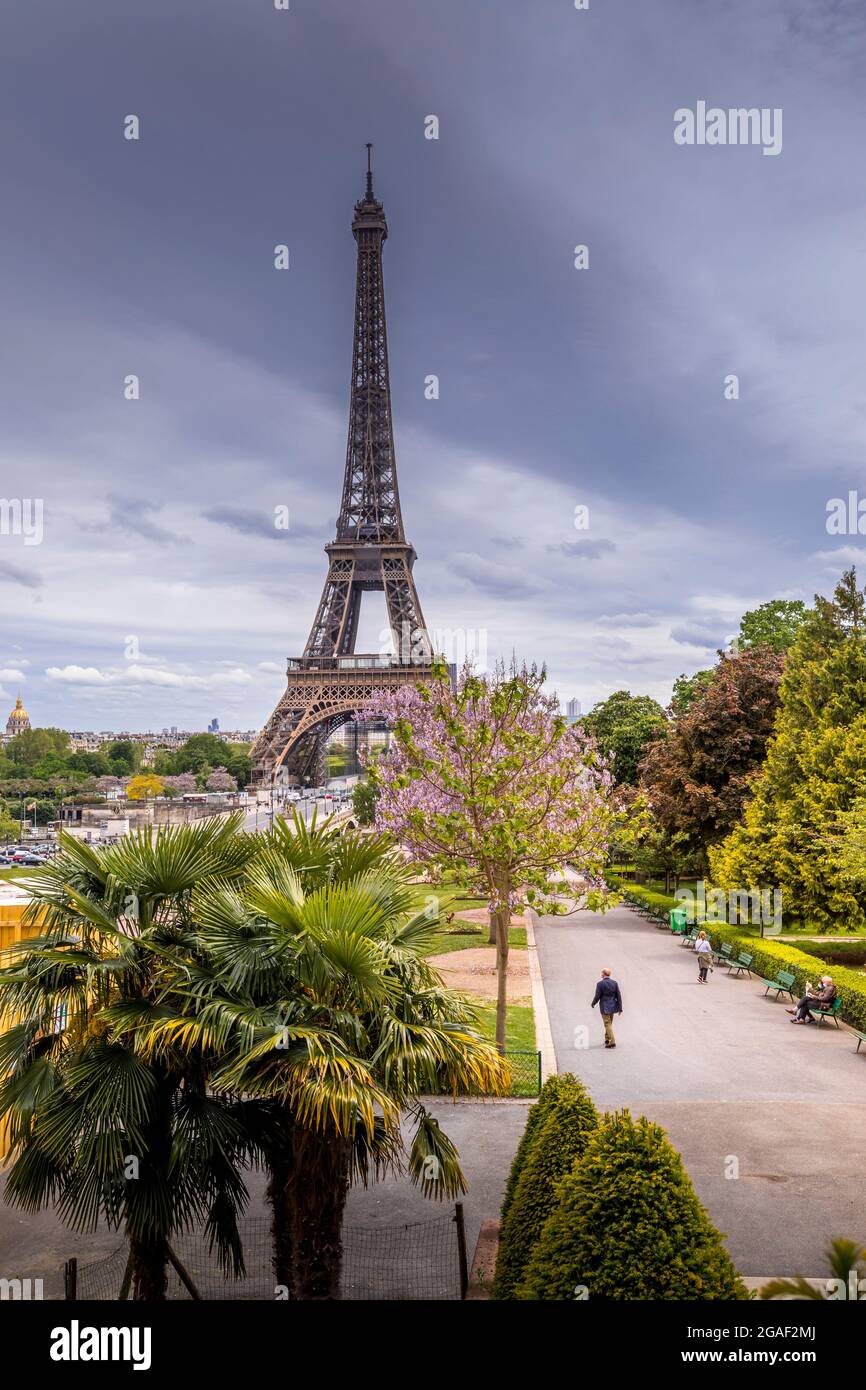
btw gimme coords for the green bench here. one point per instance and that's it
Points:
(832, 1012)
(743, 962)
(783, 984)
(861, 1038)
(724, 954)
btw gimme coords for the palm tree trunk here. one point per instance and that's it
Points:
(282, 1222)
(321, 1182)
(149, 1258)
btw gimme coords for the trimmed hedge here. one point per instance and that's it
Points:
(772, 956)
(553, 1089)
(628, 1225)
(560, 1138)
(659, 904)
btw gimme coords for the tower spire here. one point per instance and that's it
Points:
(369, 171)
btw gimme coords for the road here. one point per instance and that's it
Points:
(259, 819)
(738, 1090)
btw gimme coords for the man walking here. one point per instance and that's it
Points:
(609, 999)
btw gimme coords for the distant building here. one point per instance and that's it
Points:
(573, 710)
(213, 727)
(19, 719)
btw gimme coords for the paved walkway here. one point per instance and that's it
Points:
(720, 1067)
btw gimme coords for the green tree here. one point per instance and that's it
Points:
(10, 828)
(561, 1137)
(364, 797)
(29, 747)
(200, 753)
(623, 725)
(94, 764)
(628, 1225)
(124, 757)
(775, 624)
(815, 771)
(100, 1130)
(236, 760)
(687, 689)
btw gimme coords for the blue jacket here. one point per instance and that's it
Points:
(607, 994)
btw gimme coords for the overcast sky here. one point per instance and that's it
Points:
(161, 592)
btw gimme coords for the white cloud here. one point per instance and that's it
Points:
(134, 675)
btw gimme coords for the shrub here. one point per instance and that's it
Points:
(560, 1137)
(627, 1224)
(554, 1087)
(659, 904)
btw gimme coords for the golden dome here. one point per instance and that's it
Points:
(19, 715)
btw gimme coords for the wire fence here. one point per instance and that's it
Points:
(423, 1260)
(525, 1075)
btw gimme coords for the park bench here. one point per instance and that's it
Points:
(831, 1012)
(689, 938)
(743, 962)
(861, 1038)
(783, 984)
(724, 954)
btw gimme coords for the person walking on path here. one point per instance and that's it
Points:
(609, 999)
(704, 953)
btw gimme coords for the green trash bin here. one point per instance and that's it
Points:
(679, 920)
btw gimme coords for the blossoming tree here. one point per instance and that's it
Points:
(491, 777)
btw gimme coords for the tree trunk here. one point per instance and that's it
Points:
(491, 935)
(321, 1181)
(282, 1221)
(149, 1253)
(149, 1258)
(503, 922)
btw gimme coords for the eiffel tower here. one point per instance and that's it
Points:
(330, 682)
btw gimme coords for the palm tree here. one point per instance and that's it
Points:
(310, 992)
(98, 1128)
(843, 1258)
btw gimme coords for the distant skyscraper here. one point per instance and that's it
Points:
(573, 710)
(213, 727)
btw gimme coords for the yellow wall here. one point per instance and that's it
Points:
(11, 930)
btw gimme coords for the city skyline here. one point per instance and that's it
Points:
(161, 586)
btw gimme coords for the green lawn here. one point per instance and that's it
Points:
(448, 940)
(6, 872)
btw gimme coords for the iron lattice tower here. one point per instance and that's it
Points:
(330, 681)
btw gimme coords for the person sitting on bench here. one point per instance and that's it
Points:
(822, 996)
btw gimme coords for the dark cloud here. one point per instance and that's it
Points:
(16, 575)
(583, 549)
(501, 581)
(261, 523)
